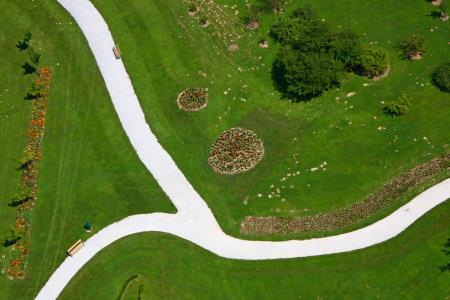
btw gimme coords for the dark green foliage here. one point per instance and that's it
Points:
(141, 291)
(446, 251)
(35, 57)
(307, 75)
(252, 15)
(412, 45)
(34, 91)
(28, 69)
(22, 196)
(312, 58)
(306, 13)
(272, 5)
(12, 238)
(27, 37)
(125, 285)
(304, 34)
(398, 106)
(25, 43)
(192, 7)
(373, 61)
(347, 48)
(441, 77)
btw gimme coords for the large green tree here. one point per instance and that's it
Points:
(306, 75)
(347, 48)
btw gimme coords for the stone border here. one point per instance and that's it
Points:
(380, 199)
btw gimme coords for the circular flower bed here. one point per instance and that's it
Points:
(193, 99)
(235, 150)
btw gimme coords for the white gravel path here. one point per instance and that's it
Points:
(194, 220)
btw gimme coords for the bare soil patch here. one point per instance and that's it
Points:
(416, 56)
(384, 75)
(436, 2)
(253, 25)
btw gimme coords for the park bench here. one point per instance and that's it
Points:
(75, 247)
(117, 52)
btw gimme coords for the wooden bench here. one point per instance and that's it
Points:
(75, 247)
(117, 52)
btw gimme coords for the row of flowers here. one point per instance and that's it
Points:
(30, 171)
(236, 150)
(382, 198)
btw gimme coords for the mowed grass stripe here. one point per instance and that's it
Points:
(89, 171)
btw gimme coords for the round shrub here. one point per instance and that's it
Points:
(441, 77)
(235, 150)
(413, 46)
(193, 99)
(397, 107)
(373, 61)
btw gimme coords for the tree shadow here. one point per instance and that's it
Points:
(18, 202)
(282, 86)
(446, 251)
(10, 242)
(24, 165)
(29, 96)
(435, 14)
(22, 45)
(28, 69)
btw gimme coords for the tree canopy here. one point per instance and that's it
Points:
(312, 58)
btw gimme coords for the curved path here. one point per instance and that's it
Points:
(195, 221)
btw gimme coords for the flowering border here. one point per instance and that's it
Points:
(29, 180)
(382, 198)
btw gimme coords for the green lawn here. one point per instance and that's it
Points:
(165, 51)
(89, 171)
(406, 267)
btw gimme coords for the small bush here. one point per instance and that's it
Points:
(441, 77)
(397, 107)
(412, 46)
(192, 7)
(373, 61)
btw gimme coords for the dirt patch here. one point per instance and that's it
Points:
(384, 75)
(263, 44)
(253, 25)
(436, 2)
(233, 47)
(235, 150)
(380, 199)
(416, 56)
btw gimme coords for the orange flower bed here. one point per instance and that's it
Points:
(29, 179)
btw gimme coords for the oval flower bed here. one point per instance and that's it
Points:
(235, 150)
(193, 99)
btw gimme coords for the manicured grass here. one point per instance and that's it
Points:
(89, 171)
(406, 267)
(165, 51)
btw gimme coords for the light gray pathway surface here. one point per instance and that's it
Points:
(194, 221)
